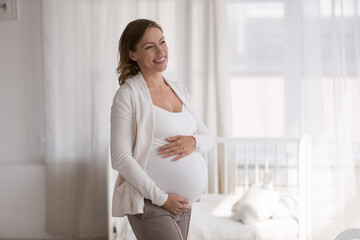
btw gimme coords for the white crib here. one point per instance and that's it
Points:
(234, 165)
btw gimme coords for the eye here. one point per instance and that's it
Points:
(148, 47)
(162, 42)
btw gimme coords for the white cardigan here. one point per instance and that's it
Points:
(132, 131)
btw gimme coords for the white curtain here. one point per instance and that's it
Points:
(80, 57)
(79, 80)
(206, 55)
(295, 67)
(322, 37)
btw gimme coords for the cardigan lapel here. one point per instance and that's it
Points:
(140, 81)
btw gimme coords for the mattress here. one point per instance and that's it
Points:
(211, 219)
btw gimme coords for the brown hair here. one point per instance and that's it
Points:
(130, 37)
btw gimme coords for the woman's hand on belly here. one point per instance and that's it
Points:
(176, 204)
(179, 145)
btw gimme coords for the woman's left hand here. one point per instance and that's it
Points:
(181, 145)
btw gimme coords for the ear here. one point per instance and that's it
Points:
(132, 55)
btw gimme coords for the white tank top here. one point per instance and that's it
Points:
(187, 176)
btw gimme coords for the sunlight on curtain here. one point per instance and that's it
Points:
(335, 170)
(295, 69)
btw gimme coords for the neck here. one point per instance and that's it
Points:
(154, 79)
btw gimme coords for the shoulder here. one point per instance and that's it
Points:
(133, 91)
(123, 90)
(124, 94)
(130, 86)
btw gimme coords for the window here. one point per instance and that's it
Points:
(256, 65)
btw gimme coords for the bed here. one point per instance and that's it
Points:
(258, 190)
(212, 219)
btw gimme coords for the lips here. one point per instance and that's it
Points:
(161, 60)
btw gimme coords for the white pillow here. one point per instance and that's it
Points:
(257, 204)
(286, 206)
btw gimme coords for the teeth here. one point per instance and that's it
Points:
(163, 58)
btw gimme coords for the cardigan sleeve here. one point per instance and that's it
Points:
(203, 138)
(121, 145)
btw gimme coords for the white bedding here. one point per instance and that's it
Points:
(211, 220)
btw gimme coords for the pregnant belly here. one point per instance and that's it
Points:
(186, 177)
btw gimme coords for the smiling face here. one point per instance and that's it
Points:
(151, 52)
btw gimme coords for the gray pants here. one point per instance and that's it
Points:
(159, 224)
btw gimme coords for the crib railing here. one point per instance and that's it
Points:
(271, 159)
(235, 164)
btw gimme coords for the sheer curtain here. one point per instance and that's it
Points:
(209, 76)
(80, 56)
(78, 83)
(295, 71)
(328, 44)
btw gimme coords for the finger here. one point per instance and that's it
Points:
(172, 153)
(174, 138)
(179, 157)
(168, 150)
(184, 201)
(183, 209)
(166, 146)
(180, 211)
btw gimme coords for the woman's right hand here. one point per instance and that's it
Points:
(176, 204)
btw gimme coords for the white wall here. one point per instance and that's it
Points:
(21, 98)
(22, 205)
(22, 173)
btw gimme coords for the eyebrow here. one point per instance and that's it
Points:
(153, 42)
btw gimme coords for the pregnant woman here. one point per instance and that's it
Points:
(157, 140)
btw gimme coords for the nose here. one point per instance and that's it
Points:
(159, 50)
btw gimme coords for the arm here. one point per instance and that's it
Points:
(121, 145)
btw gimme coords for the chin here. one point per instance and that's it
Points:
(162, 68)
